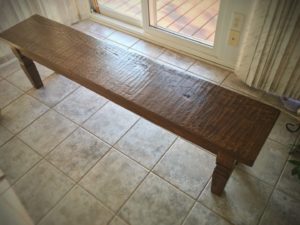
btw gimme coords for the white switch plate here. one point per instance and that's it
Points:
(237, 21)
(234, 38)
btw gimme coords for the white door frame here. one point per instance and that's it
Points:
(196, 48)
(220, 54)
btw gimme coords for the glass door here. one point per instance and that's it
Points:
(129, 11)
(207, 29)
(192, 19)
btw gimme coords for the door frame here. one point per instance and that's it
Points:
(222, 54)
(185, 44)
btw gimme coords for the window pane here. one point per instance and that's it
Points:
(130, 8)
(194, 19)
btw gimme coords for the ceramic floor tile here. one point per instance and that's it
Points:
(12, 211)
(43, 71)
(146, 143)
(140, 53)
(176, 59)
(288, 183)
(156, 202)
(8, 93)
(202, 215)
(279, 132)
(78, 207)
(113, 179)
(243, 201)
(110, 122)
(115, 44)
(9, 67)
(47, 131)
(187, 167)
(208, 71)
(5, 135)
(93, 27)
(56, 87)
(235, 84)
(117, 221)
(80, 105)
(20, 80)
(123, 39)
(4, 185)
(173, 67)
(148, 49)
(269, 162)
(281, 210)
(202, 78)
(16, 159)
(95, 35)
(41, 188)
(21, 113)
(82, 25)
(101, 30)
(78, 153)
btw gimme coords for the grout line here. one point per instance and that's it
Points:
(60, 142)
(76, 183)
(252, 175)
(267, 204)
(210, 209)
(278, 180)
(197, 198)
(137, 187)
(162, 52)
(141, 53)
(80, 124)
(56, 204)
(110, 149)
(43, 157)
(174, 186)
(188, 213)
(1, 109)
(134, 43)
(131, 159)
(167, 63)
(12, 135)
(112, 145)
(195, 61)
(12, 184)
(17, 133)
(115, 216)
(98, 160)
(84, 121)
(52, 106)
(22, 93)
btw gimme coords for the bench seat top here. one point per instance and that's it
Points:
(208, 115)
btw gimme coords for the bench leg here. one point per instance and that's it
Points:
(224, 167)
(29, 69)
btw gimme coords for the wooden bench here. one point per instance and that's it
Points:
(230, 125)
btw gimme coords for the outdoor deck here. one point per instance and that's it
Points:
(195, 19)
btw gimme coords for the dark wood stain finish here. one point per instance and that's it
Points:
(226, 123)
(29, 68)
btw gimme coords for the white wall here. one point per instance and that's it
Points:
(63, 11)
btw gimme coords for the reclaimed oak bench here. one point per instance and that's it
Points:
(227, 124)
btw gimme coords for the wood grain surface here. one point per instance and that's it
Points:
(205, 114)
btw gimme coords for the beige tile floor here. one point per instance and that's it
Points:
(76, 163)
